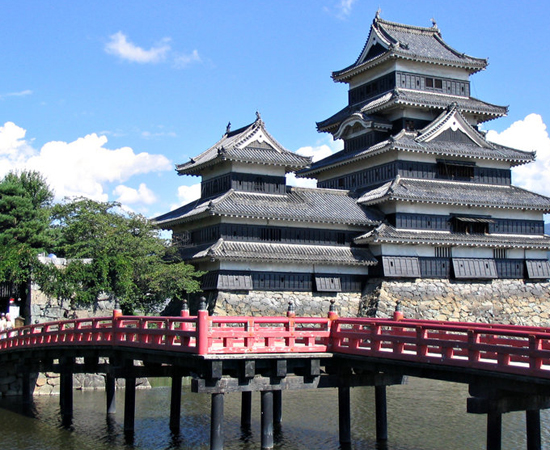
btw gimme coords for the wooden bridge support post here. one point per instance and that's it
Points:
(110, 390)
(175, 403)
(381, 413)
(129, 404)
(26, 390)
(246, 410)
(66, 386)
(533, 429)
(494, 430)
(267, 419)
(344, 415)
(277, 407)
(216, 422)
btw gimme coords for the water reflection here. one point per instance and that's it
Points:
(423, 414)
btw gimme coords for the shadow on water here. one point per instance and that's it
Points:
(423, 415)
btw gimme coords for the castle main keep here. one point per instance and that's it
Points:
(416, 198)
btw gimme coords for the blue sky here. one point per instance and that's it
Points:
(104, 97)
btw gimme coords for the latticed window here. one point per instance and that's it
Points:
(499, 253)
(442, 252)
(454, 170)
(270, 234)
(181, 239)
(259, 184)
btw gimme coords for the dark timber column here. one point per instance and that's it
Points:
(66, 386)
(175, 403)
(129, 404)
(216, 422)
(533, 429)
(267, 419)
(344, 415)
(110, 386)
(277, 407)
(26, 386)
(494, 430)
(381, 413)
(246, 409)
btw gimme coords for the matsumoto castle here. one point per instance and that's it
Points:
(416, 193)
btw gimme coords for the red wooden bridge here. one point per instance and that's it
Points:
(507, 366)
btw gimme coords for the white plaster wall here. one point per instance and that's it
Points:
(469, 252)
(407, 250)
(292, 267)
(258, 169)
(536, 254)
(498, 213)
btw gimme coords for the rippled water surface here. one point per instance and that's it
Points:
(423, 414)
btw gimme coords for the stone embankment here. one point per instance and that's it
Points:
(260, 303)
(499, 301)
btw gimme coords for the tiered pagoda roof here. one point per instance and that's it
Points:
(249, 144)
(386, 234)
(399, 97)
(298, 204)
(457, 194)
(426, 141)
(278, 252)
(389, 40)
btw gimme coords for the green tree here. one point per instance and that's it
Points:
(117, 254)
(25, 205)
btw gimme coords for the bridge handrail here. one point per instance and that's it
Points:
(243, 334)
(502, 348)
(200, 334)
(505, 348)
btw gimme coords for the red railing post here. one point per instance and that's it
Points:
(291, 311)
(397, 314)
(202, 328)
(185, 326)
(332, 316)
(117, 314)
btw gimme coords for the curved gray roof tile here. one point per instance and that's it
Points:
(456, 193)
(388, 234)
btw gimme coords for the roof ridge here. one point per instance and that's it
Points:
(429, 30)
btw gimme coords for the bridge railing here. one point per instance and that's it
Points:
(513, 349)
(200, 334)
(175, 333)
(510, 349)
(230, 335)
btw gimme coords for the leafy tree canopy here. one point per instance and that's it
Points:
(25, 204)
(114, 253)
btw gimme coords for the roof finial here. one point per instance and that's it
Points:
(258, 117)
(434, 23)
(228, 128)
(378, 11)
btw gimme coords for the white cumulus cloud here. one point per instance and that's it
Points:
(187, 194)
(128, 196)
(120, 46)
(529, 134)
(16, 94)
(83, 167)
(345, 7)
(183, 60)
(317, 153)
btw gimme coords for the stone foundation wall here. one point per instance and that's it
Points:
(260, 303)
(49, 383)
(46, 309)
(497, 301)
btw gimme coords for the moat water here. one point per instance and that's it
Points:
(422, 414)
